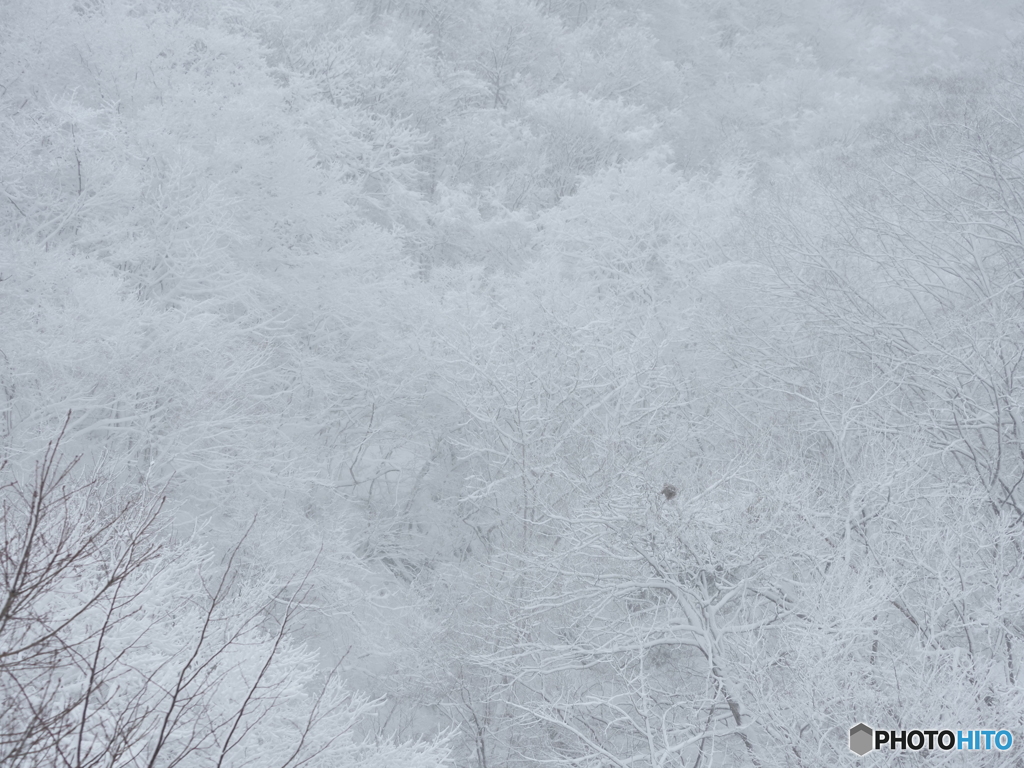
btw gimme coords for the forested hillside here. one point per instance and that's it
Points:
(506, 383)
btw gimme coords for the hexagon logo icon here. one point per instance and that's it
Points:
(862, 739)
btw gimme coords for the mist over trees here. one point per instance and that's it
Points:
(498, 383)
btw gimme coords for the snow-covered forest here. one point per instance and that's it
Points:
(506, 383)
